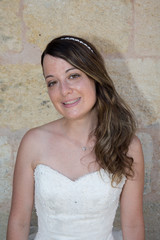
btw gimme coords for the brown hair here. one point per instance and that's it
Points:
(116, 123)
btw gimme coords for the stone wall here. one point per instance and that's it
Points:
(127, 32)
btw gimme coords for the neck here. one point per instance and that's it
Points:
(80, 129)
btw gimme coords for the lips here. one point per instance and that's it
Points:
(71, 102)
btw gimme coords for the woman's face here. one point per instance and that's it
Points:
(70, 90)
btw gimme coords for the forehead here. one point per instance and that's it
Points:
(54, 62)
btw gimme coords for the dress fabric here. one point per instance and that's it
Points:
(83, 209)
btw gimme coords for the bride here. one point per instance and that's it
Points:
(77, 169)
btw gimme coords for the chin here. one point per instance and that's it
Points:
(77, 116)
(72, 117)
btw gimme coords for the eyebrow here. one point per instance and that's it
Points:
(48, 76)
(70, 69)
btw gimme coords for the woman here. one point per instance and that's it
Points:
(78, 167)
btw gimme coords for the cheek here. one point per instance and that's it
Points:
(52, 96)
(92, 91)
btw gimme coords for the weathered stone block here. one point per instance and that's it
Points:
(10, 26)
(138, 83)
(103, 19)
(5, 183)
(147, 145)
(147, 27)
(152, 219)
(5, 169)
(24, 99)
(3, 225)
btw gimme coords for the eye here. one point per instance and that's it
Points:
(51, 83)
(75, 75)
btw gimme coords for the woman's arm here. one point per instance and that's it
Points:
(23, 191)
(131, 203)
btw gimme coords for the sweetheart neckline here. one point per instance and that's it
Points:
(69, 179)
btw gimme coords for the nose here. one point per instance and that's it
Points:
(65, 88)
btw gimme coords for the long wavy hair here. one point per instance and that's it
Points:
(116, 123)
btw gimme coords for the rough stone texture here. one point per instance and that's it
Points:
(148, 154)
(6, 169)
(127, 32)
(147, 27)
(137, 80)
(24, 101)
(10, 26)
(98, 20)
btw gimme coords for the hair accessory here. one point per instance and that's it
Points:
(77, 40)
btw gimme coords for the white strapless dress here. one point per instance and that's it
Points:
(83, 209)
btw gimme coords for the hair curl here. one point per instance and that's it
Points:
(116, 124)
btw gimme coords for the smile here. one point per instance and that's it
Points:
(72, 102)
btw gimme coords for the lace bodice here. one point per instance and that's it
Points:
(83, 209)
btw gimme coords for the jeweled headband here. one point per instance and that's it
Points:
(77, 40)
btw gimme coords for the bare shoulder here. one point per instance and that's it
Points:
(31, 138)
(135, 143)
(135, 149)
(36, 135)
(34, 142)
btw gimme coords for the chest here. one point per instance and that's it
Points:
(69, 159)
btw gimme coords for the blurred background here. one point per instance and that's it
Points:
(126, 32)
